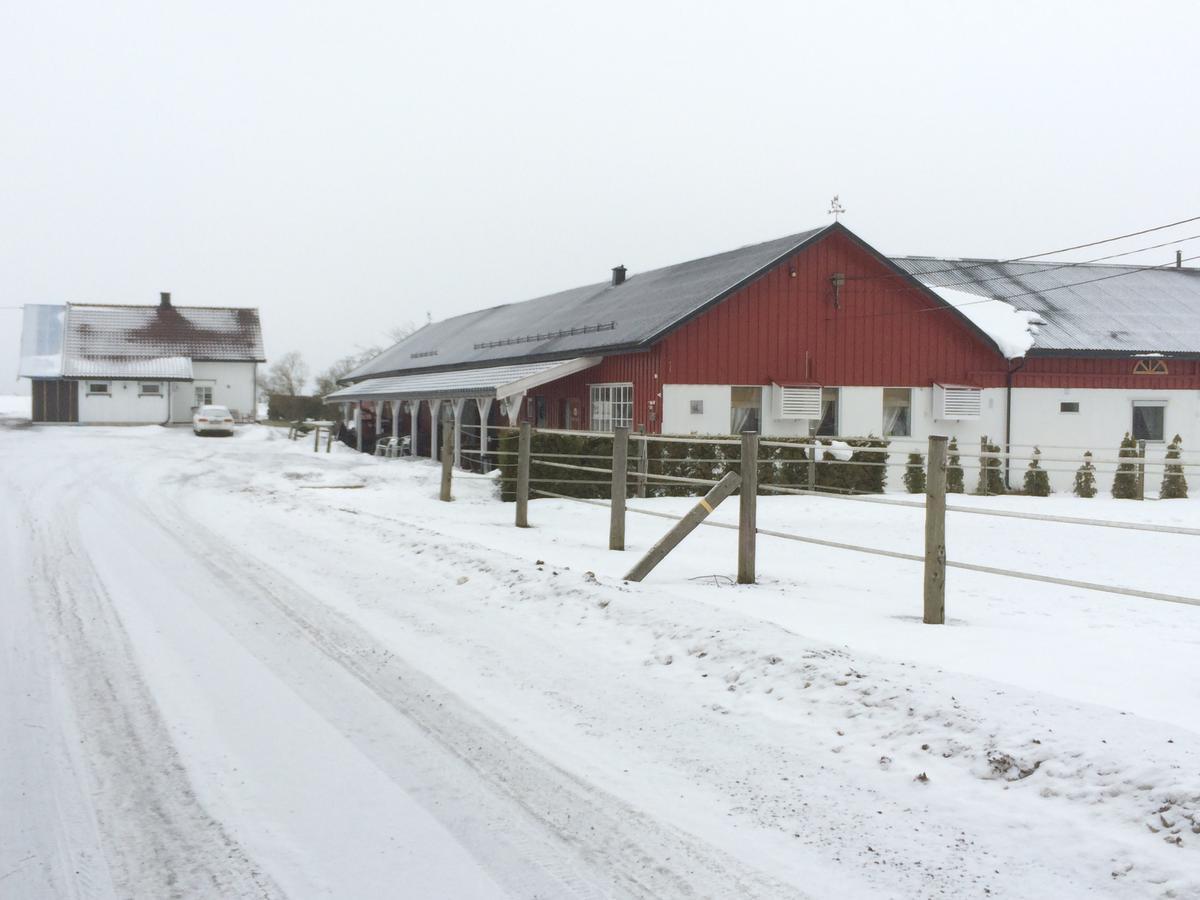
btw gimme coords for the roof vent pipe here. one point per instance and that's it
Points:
(618, 275)
(1179, 259)
(164, 299)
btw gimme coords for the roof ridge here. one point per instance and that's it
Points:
(71, 303)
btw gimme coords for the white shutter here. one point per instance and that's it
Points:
(957, 402)
(797, 402)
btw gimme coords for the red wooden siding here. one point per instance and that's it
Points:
(785, 328)
(1094, 372)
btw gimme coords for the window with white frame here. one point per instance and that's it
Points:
(1149, 420)
(897, 412)
(612, 405)
(745, 412)
(98, 389)
(827, 425)
(149, 389)
(203, 395)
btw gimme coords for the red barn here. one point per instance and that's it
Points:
(820, 333)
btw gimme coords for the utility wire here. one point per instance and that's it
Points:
(1068, 265)
(1033, 256)
(949, 306)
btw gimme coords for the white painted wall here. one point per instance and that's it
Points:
(1103, 418)
(124, 404)
(232, 383)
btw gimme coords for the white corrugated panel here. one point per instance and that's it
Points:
(42, 341)
(798, 402)
(463, 382)
(952, 401)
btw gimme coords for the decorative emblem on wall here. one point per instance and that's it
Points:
(1150, 367)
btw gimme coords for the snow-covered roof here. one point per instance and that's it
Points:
(1013, 330)
(166, 368)
(1081, 308)
(492, 381)
(227, 334)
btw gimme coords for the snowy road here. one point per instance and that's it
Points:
(219, 681)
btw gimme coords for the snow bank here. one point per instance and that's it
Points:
(13, 405)
(1012, 329)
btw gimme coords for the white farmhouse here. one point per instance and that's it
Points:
(109, 364)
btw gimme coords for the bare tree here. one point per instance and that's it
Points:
(287, 375)
(327, 381)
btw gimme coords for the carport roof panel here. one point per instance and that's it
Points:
(483, 382)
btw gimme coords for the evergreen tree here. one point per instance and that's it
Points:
(1125, 481)
(1085, 478)
(1174, 483)
(914, 474)
(954, 472)
(990, 480)
(1037, 479)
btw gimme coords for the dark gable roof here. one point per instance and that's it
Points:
(227, 334)
(1096, 309)
(598, 318)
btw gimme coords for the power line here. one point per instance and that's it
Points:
(950, 306)
(1069, 265)
(1033, 256)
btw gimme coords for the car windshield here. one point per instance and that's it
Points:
(216, 412)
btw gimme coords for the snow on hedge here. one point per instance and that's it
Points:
(1012, 329)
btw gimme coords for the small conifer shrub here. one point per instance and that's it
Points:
(1174, 483)
(990, 480)
(1085, 478)
(1037, 479)
(1125, 481)
(954, 472)
(914, 474)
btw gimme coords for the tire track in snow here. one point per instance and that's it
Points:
(158, 839)
(588, 842)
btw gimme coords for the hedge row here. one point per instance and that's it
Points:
(700, 458)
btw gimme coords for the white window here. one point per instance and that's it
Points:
(827, 425)
(612, 405)
(745, 412)
(1149, 419)
(203, 395)
(148, 389)
(98, 388)
(897, 412)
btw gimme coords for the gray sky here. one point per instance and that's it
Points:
(347, 167)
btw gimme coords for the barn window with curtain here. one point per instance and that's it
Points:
(745, 413)
(897, 412)
(827, 425)
(1148, 420)
(612, 405)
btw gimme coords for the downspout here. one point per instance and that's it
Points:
(1008, 387)
(167, 387)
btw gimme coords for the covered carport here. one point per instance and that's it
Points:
(458, 399)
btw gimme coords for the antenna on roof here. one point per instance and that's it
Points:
(835, 208)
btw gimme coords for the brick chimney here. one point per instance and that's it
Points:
(618, 276)
(164, 299)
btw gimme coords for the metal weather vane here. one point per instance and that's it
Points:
(836, 208)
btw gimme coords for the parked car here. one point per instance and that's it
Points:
(212, 420)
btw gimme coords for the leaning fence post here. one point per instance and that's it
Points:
(643, 462)
(935, 532)
(1141, 471)
(748, 518)
(523, 448)
(685, 526)
(620, 475)
(447, 464)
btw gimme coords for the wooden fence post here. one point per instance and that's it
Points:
(620, 475)
(447, 463)
(812, 464)
(524, 445)
(748, 518)
(685, 526)
(1141, 471)
(935, 532)
(316, 438)
(643, 462)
